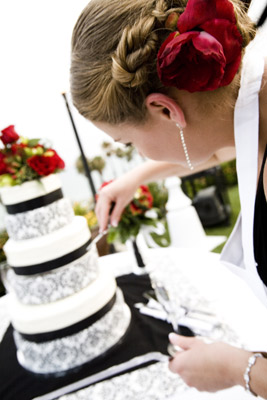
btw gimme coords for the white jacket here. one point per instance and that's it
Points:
(238, 253)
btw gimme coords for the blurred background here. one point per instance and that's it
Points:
(34, 71)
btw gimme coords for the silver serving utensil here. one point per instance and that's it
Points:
(164, 299)
(101, 234)
(96, 239)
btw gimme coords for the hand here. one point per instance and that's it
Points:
(120, 192)
(208, 367)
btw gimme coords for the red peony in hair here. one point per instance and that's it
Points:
(205, 52)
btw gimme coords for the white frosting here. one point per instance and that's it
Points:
(30, 190)
(45, 248)
(31, 319)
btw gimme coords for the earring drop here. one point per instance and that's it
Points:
(190, 166)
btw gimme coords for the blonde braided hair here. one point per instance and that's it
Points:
(137, 47)
(114, 51)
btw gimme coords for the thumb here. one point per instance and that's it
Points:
(182, 341)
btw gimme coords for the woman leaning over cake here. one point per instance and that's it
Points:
(165, 76)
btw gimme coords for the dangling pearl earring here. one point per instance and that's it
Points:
(190, 166)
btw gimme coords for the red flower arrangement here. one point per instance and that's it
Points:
(23, 159)
(204, 53)
(142, 201)
(134, 215)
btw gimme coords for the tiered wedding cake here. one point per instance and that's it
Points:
(64, 309)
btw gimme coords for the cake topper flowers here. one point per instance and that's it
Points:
(204, 53)
(23, 159)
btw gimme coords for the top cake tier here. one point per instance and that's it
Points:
(12, 196)
(36, 208)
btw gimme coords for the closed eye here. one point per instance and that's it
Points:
(128, 144)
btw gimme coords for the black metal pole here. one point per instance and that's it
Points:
(262, 18)
(85, 164)
(137, 254)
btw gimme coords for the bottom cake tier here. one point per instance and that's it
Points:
(73, 350)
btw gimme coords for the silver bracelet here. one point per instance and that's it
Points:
(251, 362)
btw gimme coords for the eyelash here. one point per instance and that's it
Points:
(128, 144)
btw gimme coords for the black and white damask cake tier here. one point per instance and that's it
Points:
(56, 284)
(45, 253)
(70, 351)
(40, 221)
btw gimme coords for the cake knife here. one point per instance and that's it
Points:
(101, 234)
(97, 238)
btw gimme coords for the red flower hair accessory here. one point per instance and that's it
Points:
(205, 51)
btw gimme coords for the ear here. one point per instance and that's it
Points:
(163, 106)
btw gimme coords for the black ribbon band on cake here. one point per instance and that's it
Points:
(37, 202)
(72, 329)
(144, 335)
(52, 264)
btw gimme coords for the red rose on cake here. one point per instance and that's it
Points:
(47, 163)
(9, 135)
(3, 166)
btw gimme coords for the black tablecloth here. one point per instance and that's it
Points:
(144, 335)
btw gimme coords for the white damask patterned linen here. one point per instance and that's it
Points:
(156, 382)
(56, 284)
(40, 221)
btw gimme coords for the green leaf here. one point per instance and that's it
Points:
(111, 236)
(33, 142)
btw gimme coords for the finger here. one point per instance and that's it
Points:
(182, 341)
(102, 213)
(116, 214)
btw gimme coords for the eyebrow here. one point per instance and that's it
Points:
(117, 140)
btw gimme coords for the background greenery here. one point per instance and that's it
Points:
(160, 196)
(225, 230)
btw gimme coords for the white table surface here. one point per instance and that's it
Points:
(196, 278)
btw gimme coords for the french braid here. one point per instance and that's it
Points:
(114, 51)
(137, 48)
